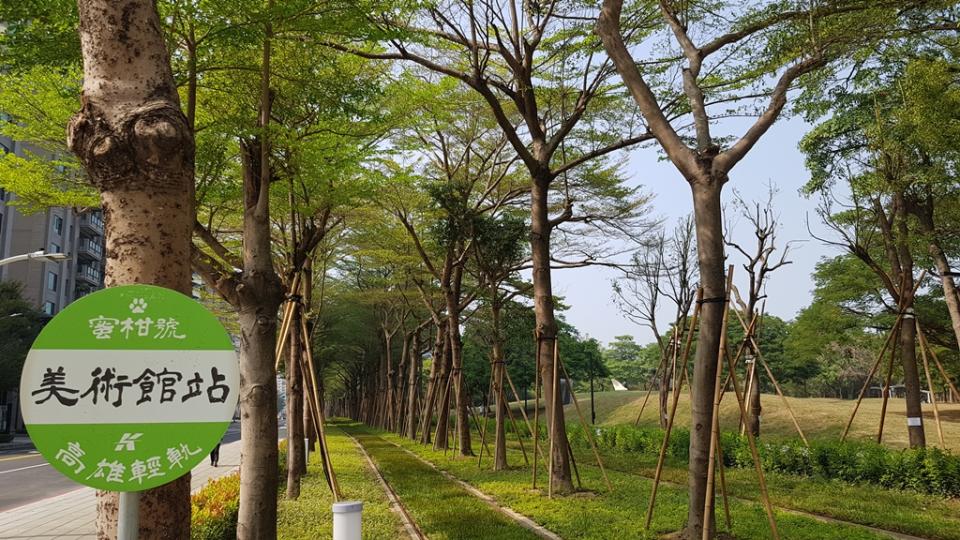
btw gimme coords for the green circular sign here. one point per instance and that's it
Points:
(129, 388)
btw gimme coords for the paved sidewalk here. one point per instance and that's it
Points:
(72, 514)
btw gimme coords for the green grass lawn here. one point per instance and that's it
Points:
(441, 508)
(597, 514)
(310, 517)
(820, 418)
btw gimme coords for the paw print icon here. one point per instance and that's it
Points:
(139, 305)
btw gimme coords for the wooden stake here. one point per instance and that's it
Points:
(755, 453)
(933, 393)
(318, 416)
(936, 359)
(661, 371)
(522, 410)
(286, 320)
(555, 385)
(866, 383)
(715, 417)
(870, 375)
(536, 410)
(586, 427)
(886, 388)
(486, 401)
(776, 384)
(673, 411)
(723, 486)
(513, 421)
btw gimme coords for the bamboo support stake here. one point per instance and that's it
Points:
(523, 410)
(769, 372)
(555, 385)
(876, 365)
(573, 463)
(286, 320)
(476, 420)
(586, 427)
(319, 418)
(723, 486)
(886, 389)
(933, 393)
(486, 402)
(866, 383)
(715, 416)
(673, 411)
(536, 410)
(513, 420)
(936, 359)
(661, 371)
(768, 508)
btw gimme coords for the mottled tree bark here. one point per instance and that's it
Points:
(138, 150)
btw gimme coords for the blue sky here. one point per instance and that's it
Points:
(775, 159)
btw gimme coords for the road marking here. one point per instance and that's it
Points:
(25, 468)
(30, 455)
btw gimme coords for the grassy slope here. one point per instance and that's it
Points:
(820, 418)
(619, 514)
(309, 517)
(912, 513)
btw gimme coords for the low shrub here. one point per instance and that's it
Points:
(925, 470)
(214, 509)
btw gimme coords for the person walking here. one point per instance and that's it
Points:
(215, 455)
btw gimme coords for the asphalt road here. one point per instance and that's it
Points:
(27, 477)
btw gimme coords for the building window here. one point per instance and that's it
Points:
(52, 281)
(58, 225)
(49, 308)
(55, 248)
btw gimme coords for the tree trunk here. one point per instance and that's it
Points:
(754, 408)
(435, 387)
(908, 355)
(456, 360)
(500, 437)
(443, 397)
(709, 225)
(666, 378)
(138, 150)
(388, 372)
(413, 372)
(951, 296)
(296, 465)
(540, 230)
(260, 298)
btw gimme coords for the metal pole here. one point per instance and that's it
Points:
(128, 521)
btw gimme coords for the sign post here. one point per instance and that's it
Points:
(128, 389)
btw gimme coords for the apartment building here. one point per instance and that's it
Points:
(50, 286)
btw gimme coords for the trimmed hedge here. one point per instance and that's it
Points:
(214, 509)
(925, 470)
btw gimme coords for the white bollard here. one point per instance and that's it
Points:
(306, 450)
(346, 520)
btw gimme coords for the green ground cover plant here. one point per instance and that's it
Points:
(441, 508)
(598, 514)
(310, 517)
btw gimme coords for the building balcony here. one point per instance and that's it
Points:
(92, 223)
(88, 249)
(90, 275)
